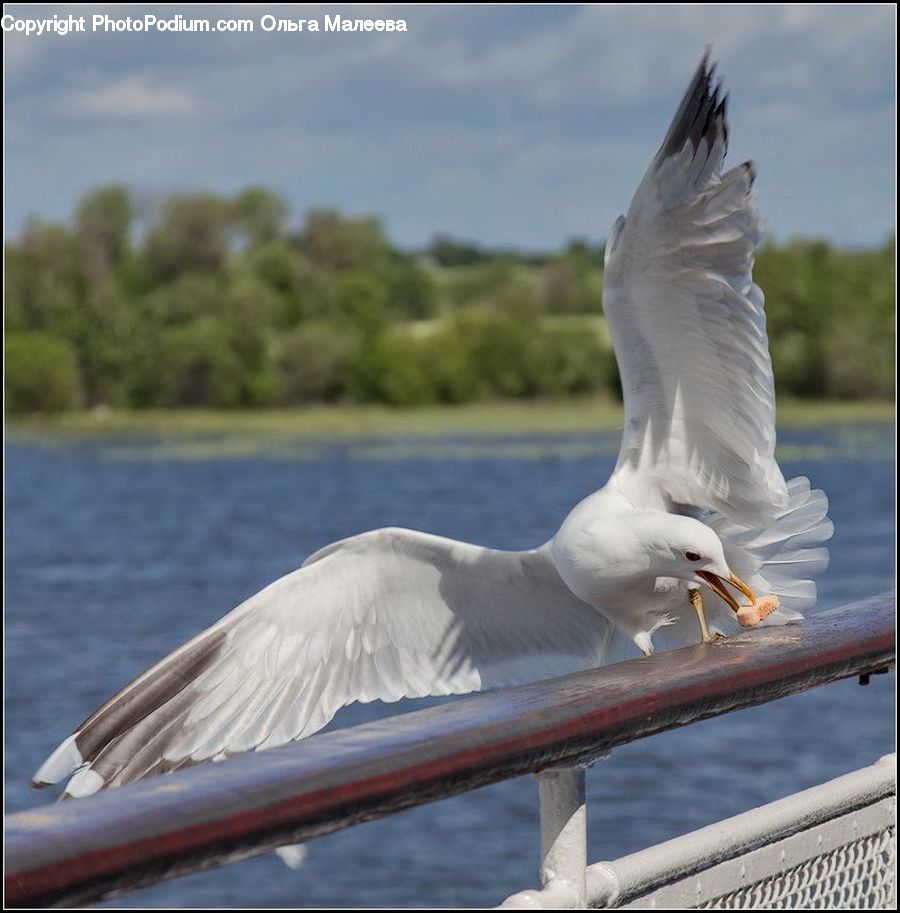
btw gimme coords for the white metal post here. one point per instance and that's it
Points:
(563, 843)
(564, 833)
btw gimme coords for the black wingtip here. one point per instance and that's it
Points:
(722, 114)
(722, 110)
(701, 114)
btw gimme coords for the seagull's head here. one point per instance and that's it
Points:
(599, 552)
(691, 551)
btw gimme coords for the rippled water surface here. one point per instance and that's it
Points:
(119, 550)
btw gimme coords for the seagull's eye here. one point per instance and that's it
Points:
(693, 556)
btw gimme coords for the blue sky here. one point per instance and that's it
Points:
(512, 125)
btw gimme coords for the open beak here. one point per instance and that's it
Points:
(717, 585)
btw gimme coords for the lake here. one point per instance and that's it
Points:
(119, 549)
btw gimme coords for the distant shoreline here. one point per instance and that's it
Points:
(356, 421)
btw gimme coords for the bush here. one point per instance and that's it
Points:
(858, 364)
(314, 363)
(446, 357)
(796, 363)
(571, 360)
(41, 373)
(199, 367)
(390, 368)
(570, 286)
(192, 234)
(501, 352)
(188, 297)
(447, 251)
(330, 240)
(467, 285)
(411, 291)
(246, 316)
(362, 303)
(43, 290)
(830, 318)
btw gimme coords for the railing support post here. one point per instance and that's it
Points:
(564, 834)
(563, 843)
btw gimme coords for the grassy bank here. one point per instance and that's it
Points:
(491, 418)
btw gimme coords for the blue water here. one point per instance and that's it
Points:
(118, 551)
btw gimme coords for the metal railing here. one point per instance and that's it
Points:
(831, 847)
(78, 851)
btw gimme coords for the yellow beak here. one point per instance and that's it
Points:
(717, 585)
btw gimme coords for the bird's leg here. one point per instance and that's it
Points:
(697, 603)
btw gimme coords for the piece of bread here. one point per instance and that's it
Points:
(764, 606)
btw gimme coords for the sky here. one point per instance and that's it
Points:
(521, 126)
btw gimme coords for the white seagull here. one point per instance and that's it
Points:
(696, 504)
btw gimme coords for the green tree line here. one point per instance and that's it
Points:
(218, 302)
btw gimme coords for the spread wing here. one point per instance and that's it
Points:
(381, 616)
(689, 329)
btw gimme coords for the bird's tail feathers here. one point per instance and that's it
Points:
(784, 557)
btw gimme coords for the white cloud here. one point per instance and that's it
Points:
(128, 98)
(506, 124)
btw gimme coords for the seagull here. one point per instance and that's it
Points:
(695, 518)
